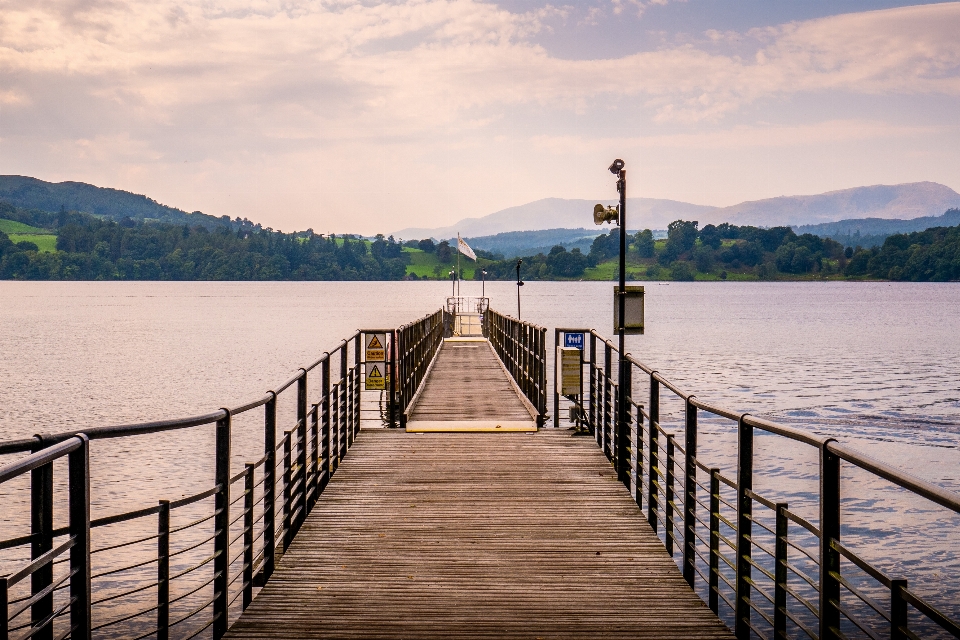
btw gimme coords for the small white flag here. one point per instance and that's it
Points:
(465, 249)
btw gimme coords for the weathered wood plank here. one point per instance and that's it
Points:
(476, 536)
(467, 383)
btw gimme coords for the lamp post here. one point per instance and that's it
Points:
(483, 283)
(603, 214)
(453, 284)
(519, 284)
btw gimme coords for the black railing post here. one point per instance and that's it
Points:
(163, 570)
(690, 494)
(269, 486)
(899, 618)
(714, 576)
(41, 529)
(221, 540)
(302, 445)
(556, 379)
(744, 527)
(248, 488)
(344, 404)
(4, 612)
(287, 491)
(542, 374)
(394, 368)
(357, 375)
(623, 421)
(326, 433)
(780, 574)
(314, 492)
(607, 400)
(335, 410)
(636, 456)
(593, 385)
(829, 531)
(80, 591)
(653, 450)
(669, 508)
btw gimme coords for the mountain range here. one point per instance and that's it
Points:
(886, 202)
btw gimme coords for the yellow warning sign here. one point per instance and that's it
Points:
(376, 350)
(375, 379)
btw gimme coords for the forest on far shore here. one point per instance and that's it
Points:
(39, 245)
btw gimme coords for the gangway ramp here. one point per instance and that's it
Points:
(468, 389)
(475, 535)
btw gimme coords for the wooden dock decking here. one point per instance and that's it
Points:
(467, 389)
(476, 535)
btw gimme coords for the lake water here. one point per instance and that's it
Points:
(876, 365)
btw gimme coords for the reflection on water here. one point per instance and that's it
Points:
(874, 364)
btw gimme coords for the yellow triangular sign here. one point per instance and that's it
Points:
(375, 373)
(375, 344)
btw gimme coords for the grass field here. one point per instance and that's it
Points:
(11, 226)
(424, 265)
(46, 243)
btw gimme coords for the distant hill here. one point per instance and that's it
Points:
(559, 213)
(871, 232)
(31, 193)
(902, 201)
(887, 202)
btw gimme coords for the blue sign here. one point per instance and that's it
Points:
(573, 340)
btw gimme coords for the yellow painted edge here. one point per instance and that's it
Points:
(465, 339)
(470, 426)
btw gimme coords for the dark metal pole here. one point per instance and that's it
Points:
(744, 527)
(41, 528)
(221, 520)
(269, 485)
(248, 489)
(163, 570)
(623, 437)
(302, 445)
(829, 531)
(690, 494)
(519, 284)
(780, 577)
(80, 593)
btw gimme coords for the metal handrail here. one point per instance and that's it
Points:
(323, 433)
(639, 465)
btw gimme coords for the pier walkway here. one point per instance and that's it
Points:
(476, 535)
(472, 521)
(468, 389)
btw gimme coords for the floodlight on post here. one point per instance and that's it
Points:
(603, 214)
(483, 283)
(519, 284)
(453, 284)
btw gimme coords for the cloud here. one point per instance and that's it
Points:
(750, 137)
(272, 84)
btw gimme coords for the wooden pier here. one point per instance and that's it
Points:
(475, 535)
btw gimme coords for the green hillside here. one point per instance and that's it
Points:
(31, 193)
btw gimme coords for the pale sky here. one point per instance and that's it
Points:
(370, 116)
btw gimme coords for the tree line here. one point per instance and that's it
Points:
(89, 248)
(725, 251)
(92, 249)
